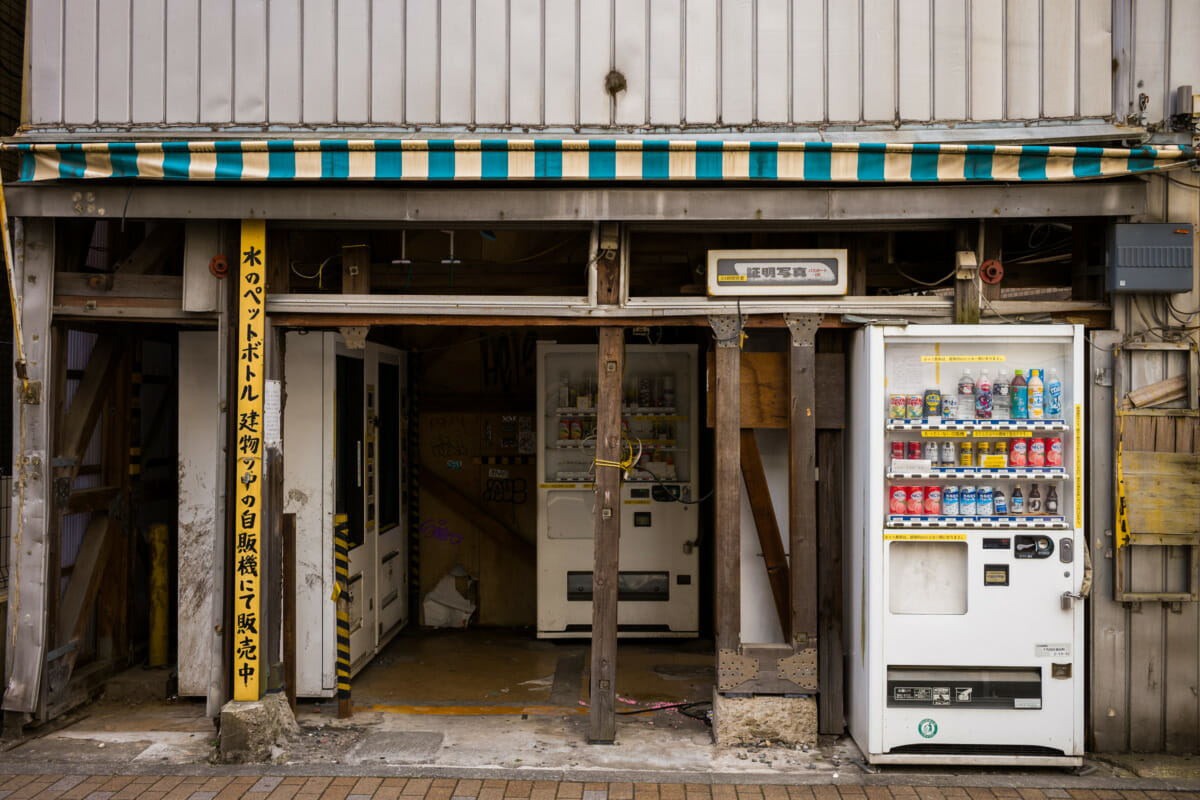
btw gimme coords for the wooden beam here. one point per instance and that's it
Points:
(151, 255)
(84, 583)
(728, 492)
(92, 500)
(94, 387)
(610, 368)
(91, 284)
(488, 525)
(301, 320)
(769, 538)
(802, 487)
(830, 677)
(966, 280)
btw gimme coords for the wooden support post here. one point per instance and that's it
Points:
(610, 368)
(966, 281)
(802, 482)
(289, 608)
(728, 492)
(990, 249)
(830, 671)
(769, 539)
(356, 269)
(272, 565)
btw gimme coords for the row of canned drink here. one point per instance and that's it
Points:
(969, 501)
(1046, 452)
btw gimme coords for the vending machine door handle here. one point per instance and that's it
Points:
(1068, 600)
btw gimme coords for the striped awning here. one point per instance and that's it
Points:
(582, 160)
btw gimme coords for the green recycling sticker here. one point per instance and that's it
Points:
(927, 728)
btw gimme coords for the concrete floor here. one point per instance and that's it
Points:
(501, 703)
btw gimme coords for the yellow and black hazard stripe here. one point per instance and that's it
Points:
(341, 568)
(503, 460)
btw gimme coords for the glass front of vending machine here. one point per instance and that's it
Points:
(964, 544)
(658, 579)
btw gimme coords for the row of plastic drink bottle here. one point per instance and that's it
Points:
(1034, 397)
(969, 501)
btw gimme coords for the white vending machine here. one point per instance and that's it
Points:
(657, 590)
(343, 441)
(964, 544)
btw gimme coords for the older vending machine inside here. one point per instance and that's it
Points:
(657, 587)
(964, 544)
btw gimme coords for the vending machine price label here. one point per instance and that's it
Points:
(943, 434)
(924, 537)
(954, 359)
(1001, 434)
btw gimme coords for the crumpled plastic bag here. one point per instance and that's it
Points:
(444, 606)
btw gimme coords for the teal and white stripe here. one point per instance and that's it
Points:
(582, 160)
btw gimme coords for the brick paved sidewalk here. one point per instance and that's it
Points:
(179, 787)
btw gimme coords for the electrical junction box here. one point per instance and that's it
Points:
(1150, 257)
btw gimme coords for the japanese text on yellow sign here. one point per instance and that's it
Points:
(249, 445)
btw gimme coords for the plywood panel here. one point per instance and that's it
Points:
(987, 60)
(491, 63)
(1149, 65)
(701, 62)
(149, 66)
(216, 61)
(737, 62)
(844, 74)
(879, 60)
(1163, 487)
(595, 57)
(353, 61)
(112, 64)
(250, 54)
(387, 61)
(560, 63)
(526, 50)
(1095, 57)
(808, 61)
(631, 60)
(949, 60)
(283, 65)
(1058, 59)
(318, 80)
(772, 60)
(79, 65)
(666, 41)
(916, 97)
(1023, 73)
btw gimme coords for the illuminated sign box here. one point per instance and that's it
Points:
(776, 272)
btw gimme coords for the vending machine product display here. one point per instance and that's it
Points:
(964, 544)
(657, 590)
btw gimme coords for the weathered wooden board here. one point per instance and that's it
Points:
(1163, 491)
(764, 381)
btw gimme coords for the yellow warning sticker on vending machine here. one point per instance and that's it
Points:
(924, 537)
(952, 359)
(1078, 465)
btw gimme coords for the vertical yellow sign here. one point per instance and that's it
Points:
(249, 447)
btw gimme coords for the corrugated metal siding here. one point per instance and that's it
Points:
(542, 63)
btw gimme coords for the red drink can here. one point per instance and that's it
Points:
(916, 500)
(899, 500)
(916, 406)
(1054, 452)
(1037, 452)
(933, 500)
(1017, 454)
(897, 449)
(914, 450)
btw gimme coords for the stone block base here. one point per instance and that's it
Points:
(749, 720)
(249, 730)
